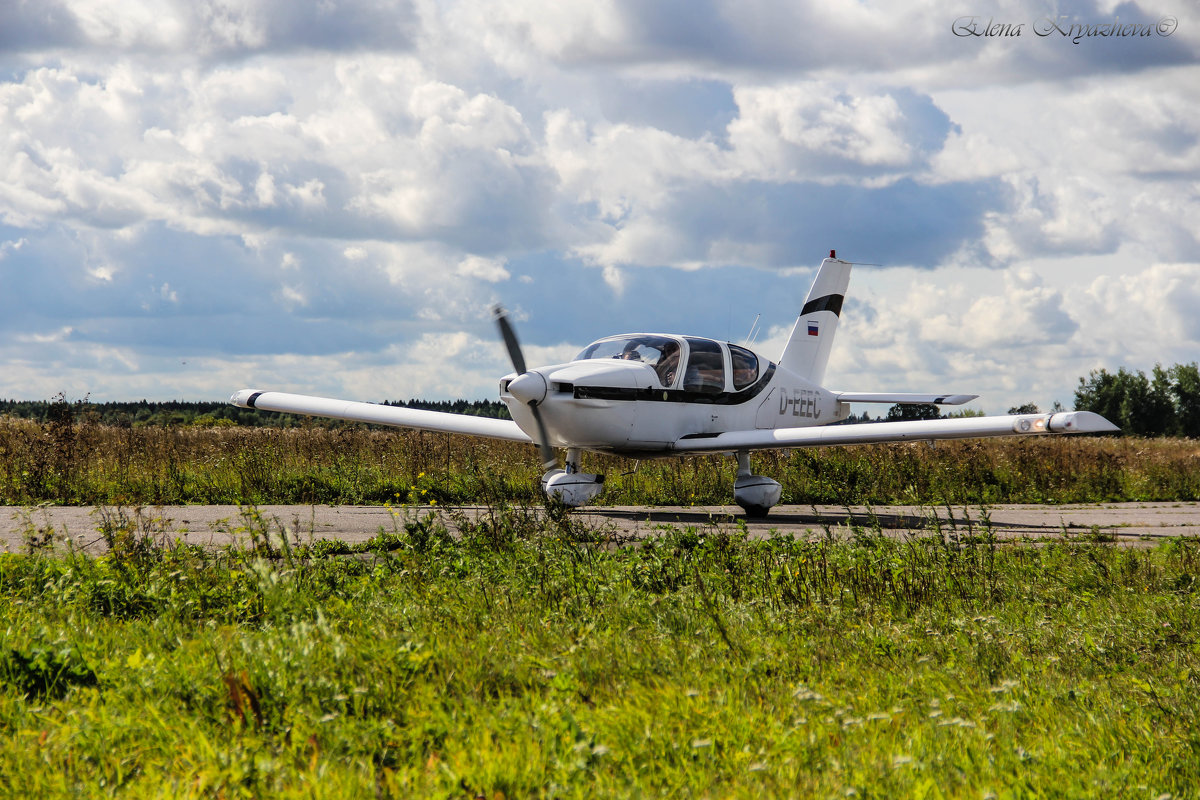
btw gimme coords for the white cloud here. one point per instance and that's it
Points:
(45, 338)
(1012, 337)
(789, 132)
(1088, 165)
(432, 366)
(615, 279)
(519, 35)
(485, 269)
(11, 247)
(973, 156)
(264, 189)
(622, 168)
(155, 24)
(311, 195)
(1143, 316)
(293, 297)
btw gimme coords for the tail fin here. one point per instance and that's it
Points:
(807, 350)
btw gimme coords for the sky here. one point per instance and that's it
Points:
(198, 196)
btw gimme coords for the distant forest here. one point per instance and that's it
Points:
(210, 414)
(1165, 404)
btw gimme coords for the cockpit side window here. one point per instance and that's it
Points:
(745, 367)
(705, 368)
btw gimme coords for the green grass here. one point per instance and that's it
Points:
(532, 658)
(106, 465)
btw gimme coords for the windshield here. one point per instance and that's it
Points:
(647, 349)
(660, 352)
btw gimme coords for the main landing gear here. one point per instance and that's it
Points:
(570, 486)
(754, 493)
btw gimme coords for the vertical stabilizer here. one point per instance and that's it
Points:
(807, 350)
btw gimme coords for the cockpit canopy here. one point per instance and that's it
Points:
(711, 366)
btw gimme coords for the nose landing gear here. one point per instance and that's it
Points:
(570, 486)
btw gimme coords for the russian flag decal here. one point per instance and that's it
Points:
(812, 329)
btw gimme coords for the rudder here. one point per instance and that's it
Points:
(807, 350)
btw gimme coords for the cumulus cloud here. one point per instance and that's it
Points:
(212, 27)
(802, 131)
(766, 37)
(236, 150)
(1013, 337)
(798, 162)
(1148, 313)
(34, 25)
(1086, 167)
(485, 269)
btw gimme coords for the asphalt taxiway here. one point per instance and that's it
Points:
(1130, 524)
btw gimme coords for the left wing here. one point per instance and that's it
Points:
(380, 415)
(875, 432)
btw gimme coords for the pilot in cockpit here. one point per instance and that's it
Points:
(630, 353)
(668, 363)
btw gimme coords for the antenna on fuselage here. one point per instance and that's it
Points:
(752, 334)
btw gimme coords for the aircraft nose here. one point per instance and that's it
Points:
(528, 387)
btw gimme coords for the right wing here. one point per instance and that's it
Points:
(916, 430)
(904, 398)
(380, 415)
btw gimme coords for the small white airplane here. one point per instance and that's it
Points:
(650, 395)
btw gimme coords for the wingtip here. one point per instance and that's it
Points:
(1094, 423)
(243, 398)
(1081, 422)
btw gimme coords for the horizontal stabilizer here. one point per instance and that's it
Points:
(904, 398)
(379, 415)
(920, 430)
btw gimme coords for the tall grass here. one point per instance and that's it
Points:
(530, 658)
(93, 464)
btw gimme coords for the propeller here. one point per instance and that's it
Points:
(549, 459)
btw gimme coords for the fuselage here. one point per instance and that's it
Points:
(638, 394)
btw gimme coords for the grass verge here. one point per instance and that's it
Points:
(529, 658)
(89, 464)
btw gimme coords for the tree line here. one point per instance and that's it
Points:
(209, 413)
(1165, 404)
